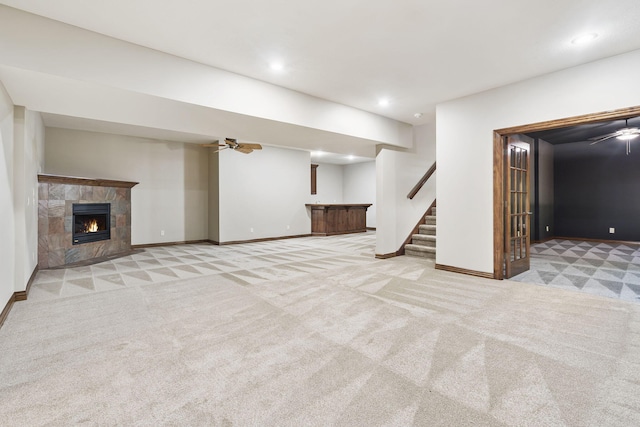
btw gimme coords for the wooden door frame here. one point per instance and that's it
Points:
(499, 165)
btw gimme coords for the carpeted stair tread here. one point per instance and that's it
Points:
(419, 248)
(424, 240)
(419, 251)
(427, 238)
(429, 229)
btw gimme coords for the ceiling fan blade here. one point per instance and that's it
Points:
(215, 143)
(251, 146)
(245, 150)
(220, 149)
(603, 138)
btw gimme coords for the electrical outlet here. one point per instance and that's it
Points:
(288, 227)
(251, 229)
(547, 228)
(162, 232)
(612, 230)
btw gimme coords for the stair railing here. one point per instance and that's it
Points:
(422, 182)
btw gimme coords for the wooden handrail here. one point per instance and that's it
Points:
(422, 181)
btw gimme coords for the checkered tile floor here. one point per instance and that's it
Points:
(611, 270)
(244, 263)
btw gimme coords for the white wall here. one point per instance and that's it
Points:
(397, 172)
(329, 184)
(193, 194)
(28, 157)
(172, 194)
(34, 164)
(21, 141)
(214, 196)
(465, 144)
(7, 253)
(359, 186)
(265, 191)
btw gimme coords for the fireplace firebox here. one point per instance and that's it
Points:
(91, 222)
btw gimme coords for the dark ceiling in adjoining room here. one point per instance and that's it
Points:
(582, 133)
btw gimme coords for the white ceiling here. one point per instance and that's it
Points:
(416, 53)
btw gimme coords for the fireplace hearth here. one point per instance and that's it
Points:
(91, 222)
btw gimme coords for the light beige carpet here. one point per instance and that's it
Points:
(362, 343)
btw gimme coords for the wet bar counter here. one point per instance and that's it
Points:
(329, 219)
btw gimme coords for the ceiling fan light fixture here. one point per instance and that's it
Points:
(626, 136)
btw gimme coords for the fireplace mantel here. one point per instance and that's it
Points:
(95, 182)
(56, 197)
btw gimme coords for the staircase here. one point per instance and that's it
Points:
(423, 244)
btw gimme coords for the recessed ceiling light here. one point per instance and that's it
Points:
(584, 38)
(276, 66)
(417, 115)
(383, 102)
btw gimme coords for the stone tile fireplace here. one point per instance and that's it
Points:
(81, 219)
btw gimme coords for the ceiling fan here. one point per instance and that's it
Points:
(243, 147)
(625, 134)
